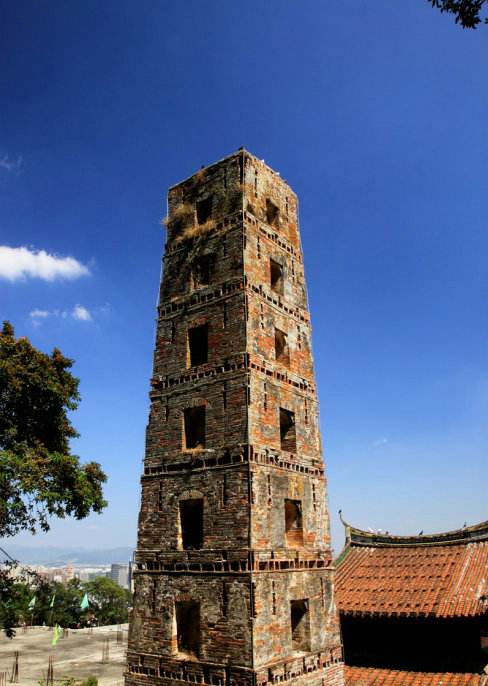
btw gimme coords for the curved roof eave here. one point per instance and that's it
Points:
(360, 537)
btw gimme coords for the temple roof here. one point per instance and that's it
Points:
(370, 676)
(436, 575)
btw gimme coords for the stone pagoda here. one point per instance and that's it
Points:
(233, 571)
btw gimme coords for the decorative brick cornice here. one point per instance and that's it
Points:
(166, 670)
(209, 372)
(201, 298)
(225, 457)
(231, 561)
(272, 235)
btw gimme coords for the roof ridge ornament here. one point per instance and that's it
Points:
(466, 534)
(347, 529)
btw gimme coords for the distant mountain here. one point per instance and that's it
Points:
(54, 556)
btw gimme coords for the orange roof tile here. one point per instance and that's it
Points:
(371, 676)
(441, 575)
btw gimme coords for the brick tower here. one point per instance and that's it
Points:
(233, 573)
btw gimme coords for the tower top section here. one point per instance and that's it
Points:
(239, 183)
(240, 153)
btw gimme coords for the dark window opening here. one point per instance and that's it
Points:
(272, 213)
(287, 431)
(202, 270)
(188, 627)
(191, 520)
(300, 625)
(198, 345)
(204, 210)
(276, 276)
(195, 427)
(282, 352)
(293, 523)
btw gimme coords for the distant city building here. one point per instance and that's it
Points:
(99, 572)
(60, 574)
(120, 574)
(130, 584)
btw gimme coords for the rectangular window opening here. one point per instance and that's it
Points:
(293, 523)
(188, 627)
(191, 521)
(194, 434)
(287, 431)
(300, 625)
(202, 269)
(272, 213)
(198, 345)
(282, 352)
(204, 209)
(276, 276)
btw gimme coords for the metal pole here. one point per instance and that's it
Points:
(14, 678)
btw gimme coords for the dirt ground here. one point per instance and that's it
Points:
(78, 655)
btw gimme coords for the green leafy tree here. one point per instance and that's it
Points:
(39, 477)
(108, 601)
(66, 609)
(13, 610)
(468, 13)
(16, 594)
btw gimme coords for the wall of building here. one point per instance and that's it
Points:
(254, 577)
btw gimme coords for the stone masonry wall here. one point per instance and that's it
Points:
(233, 570)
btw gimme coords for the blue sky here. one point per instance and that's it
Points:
(375, 113)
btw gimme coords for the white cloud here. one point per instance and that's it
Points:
(17, 264)
(42, 314)
(15, 167)
(81, 313)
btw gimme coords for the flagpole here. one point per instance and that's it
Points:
(32, 607)
(51, 605)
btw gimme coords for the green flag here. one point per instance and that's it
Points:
(51, 604)
(32, 603)
(84, 603)
(55, 635)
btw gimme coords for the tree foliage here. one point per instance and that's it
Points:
(16, 592)
(39, 477)
(468, 13)
(108, 603)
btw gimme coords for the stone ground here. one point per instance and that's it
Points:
(79, 655)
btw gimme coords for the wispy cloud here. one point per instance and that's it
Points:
(40, 314)
(18, 264)
(13, 166)
(379, 442)
(81, 313)
(78, 313)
